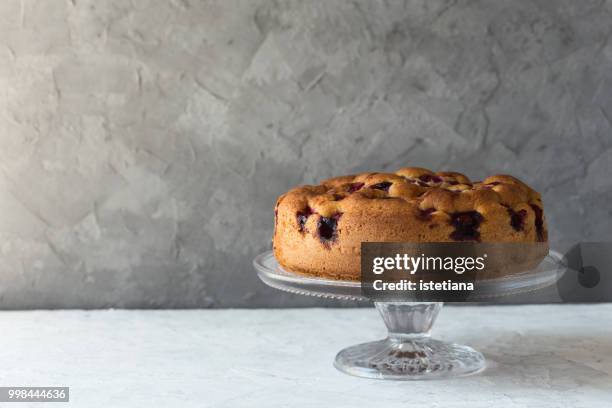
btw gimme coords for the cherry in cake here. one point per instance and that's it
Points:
(425, 215)
(428, 178)
(517, 219)
(539, 222)
(466, 226)
(384, 186)
(327, 228)
(355, 187)
(302, 218)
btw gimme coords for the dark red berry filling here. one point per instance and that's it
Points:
(384, 186)
(517, 219)
(425, 215)
(327, 228)
(453, 182)
(302, 217)
(466, 226)
(428, 178)
(491, 184)
(355, 187)
(539, 221)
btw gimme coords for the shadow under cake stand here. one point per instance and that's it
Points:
(408, 352)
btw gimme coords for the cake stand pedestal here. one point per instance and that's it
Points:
(408, 352)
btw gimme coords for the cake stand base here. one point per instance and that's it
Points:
(408, 353)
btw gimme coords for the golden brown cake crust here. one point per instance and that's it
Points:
(319, 229)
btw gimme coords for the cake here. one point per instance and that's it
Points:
(319, 229)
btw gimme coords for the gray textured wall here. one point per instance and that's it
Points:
(143, 143)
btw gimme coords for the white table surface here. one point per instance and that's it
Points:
(541, 356)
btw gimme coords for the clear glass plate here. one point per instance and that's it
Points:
(270, 272)
(408, 352)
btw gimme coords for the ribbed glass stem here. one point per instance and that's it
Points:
(408, 320)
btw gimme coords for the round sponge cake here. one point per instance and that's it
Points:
(319, 229)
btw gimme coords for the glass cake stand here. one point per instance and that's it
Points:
(408, 352)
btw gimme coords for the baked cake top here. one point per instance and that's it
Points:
(422, 191)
